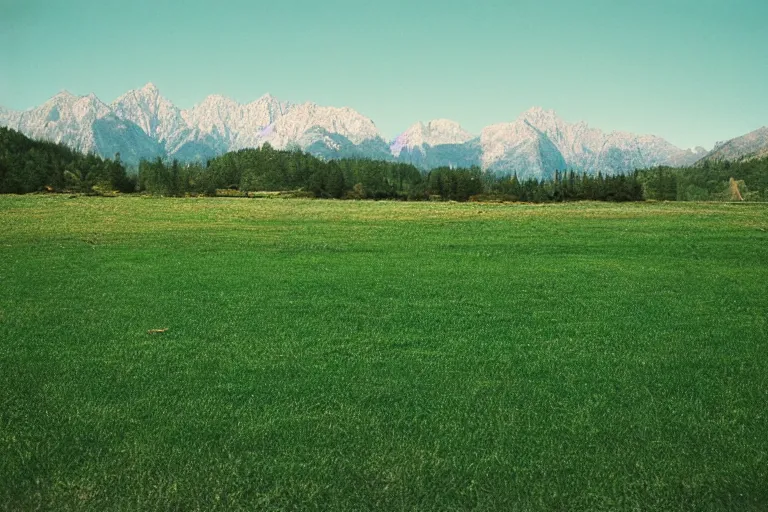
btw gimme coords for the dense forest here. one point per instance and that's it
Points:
(28, 165)
(267, 169)
(31, 166)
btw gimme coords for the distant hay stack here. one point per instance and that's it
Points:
(733, 187)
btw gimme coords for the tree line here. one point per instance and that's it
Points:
(30, 166)
(267, 169)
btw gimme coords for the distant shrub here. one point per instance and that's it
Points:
(357, 192)
(227, 192)
(297, 194)
(493, 198)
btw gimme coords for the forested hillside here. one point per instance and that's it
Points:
(28, 165)
(745, 180)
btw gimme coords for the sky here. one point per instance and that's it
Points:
(692, 71)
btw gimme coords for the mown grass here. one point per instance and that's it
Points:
(390, 356)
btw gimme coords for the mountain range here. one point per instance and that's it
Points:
(143, 124)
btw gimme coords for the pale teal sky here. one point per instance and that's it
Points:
(692, 71)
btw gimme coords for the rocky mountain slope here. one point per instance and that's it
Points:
(539, 142)
(751, 145)
(144, 124)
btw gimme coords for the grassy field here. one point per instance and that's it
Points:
(380, 355)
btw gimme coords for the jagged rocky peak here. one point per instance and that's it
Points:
(148, 91)
(307, 116)
(214, 111)
(65, 106)
(269, 99)
(548, 120)
(240, 124)
(541, 118)
(89, 105)
(152, 112)
(150, 88)
(444, 131)
(434, 133)
(147, 97)
(538, 113)
(64, 95)
(216, 103)
(266, 98)
(265, 110)
(60, 99)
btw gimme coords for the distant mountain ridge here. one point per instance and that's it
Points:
(144, 124)
(751, 145)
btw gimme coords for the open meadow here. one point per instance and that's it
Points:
(345, 355)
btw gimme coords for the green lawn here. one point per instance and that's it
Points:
(381, 355)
